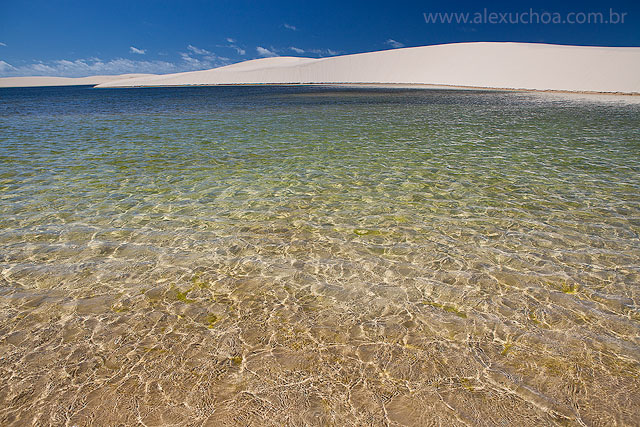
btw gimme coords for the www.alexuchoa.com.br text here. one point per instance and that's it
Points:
(526, 17)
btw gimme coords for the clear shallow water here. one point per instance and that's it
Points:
(318, 256)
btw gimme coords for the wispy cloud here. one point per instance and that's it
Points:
(137, 51)
(198, 51)
(90, 67)
(201, 59)
(96, 66)
(233, 45)
(323, 52)
(393, 43)
(290, 27)
(316, 52)
(265, 52)
(2, 44)
(189, 59)
(5, 66)
(204, 62)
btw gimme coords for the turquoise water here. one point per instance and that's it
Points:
(316, 255)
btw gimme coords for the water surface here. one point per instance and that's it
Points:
(318, 255)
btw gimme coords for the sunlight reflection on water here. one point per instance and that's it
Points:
(318, 255)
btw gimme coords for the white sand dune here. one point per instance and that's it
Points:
(529, 66)
(486, 65)
(63, 81)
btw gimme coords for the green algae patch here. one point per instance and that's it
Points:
(120, 309)
(180, 295)
(506, 349)
(467, 384)
(367, 232)
(448, 308)
(534, 318)
(198, 283)
(211, 320)
(570, 289)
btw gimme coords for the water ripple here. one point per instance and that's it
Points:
(318, 256)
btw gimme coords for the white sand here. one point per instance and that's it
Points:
(487, 65)
(63, 81)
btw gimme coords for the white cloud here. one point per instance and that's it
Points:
(265, 52)
(198, 51)
(232, 45)
(5, 66)
(204, 62)
(394, 44)
(136, 50)
(297, 49)
(202, 59)
(323, 52)
(290, 27)
(96, 66)
(189, 59)
(2, 44)
(89, 67)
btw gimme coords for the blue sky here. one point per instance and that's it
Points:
(79, 38)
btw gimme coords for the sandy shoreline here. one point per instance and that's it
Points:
(386, 86)
(359, 85)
